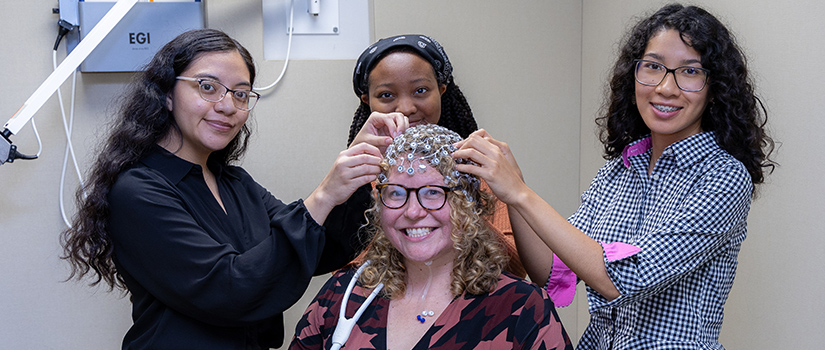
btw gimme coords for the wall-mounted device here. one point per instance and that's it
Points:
(133, 41)
(314, 7)
(322, 29)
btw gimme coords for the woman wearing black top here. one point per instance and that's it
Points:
(211, 259)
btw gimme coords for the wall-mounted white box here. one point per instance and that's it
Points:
(341, 34)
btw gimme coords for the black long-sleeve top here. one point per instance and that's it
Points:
(346, 220)
(202, 278)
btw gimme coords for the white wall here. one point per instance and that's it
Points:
(533, 72)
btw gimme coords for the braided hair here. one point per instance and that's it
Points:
(456, 114)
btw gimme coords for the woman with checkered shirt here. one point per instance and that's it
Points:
(657, 234)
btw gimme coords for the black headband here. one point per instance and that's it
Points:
(423, 45)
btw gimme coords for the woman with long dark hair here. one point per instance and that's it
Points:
(209, 257)
(657, 234)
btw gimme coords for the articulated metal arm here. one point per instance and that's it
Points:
(8, 152)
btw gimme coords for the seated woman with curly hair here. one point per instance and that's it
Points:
(435, 263)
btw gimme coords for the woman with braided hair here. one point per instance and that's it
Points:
(404, 81)
(409, 51)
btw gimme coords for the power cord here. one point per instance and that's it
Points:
(9, 151)
(64, 28)
(288, 48)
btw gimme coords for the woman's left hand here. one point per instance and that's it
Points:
(354, 167)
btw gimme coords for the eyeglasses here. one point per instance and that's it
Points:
(687, 78)
(213, 91)
(431, 197)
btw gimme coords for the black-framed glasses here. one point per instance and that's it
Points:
(688, 78)
(213, 91)
(431, 197)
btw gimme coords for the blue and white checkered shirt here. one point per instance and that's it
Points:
(688, 217)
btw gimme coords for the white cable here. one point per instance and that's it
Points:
(288, 48)
(36, 133)
(345, 325)
(37, 136)
(66, 152)
(69, 144)
(67, 128)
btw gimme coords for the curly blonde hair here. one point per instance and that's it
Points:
(481, 254)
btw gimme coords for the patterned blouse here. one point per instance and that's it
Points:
(516, 315)
(670, 239)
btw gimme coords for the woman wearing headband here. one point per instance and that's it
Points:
(437, 264)
(402, 81)
(657, 234)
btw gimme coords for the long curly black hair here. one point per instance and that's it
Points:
(142, 120)
(734, 112)
(456, 114)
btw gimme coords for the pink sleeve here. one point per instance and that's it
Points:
(618, 250)
(562, 283)
(561, 287)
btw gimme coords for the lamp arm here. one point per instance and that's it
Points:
(59, 75)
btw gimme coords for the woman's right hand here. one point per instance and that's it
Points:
(494, 162)
(380, 129)
(354, 167)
